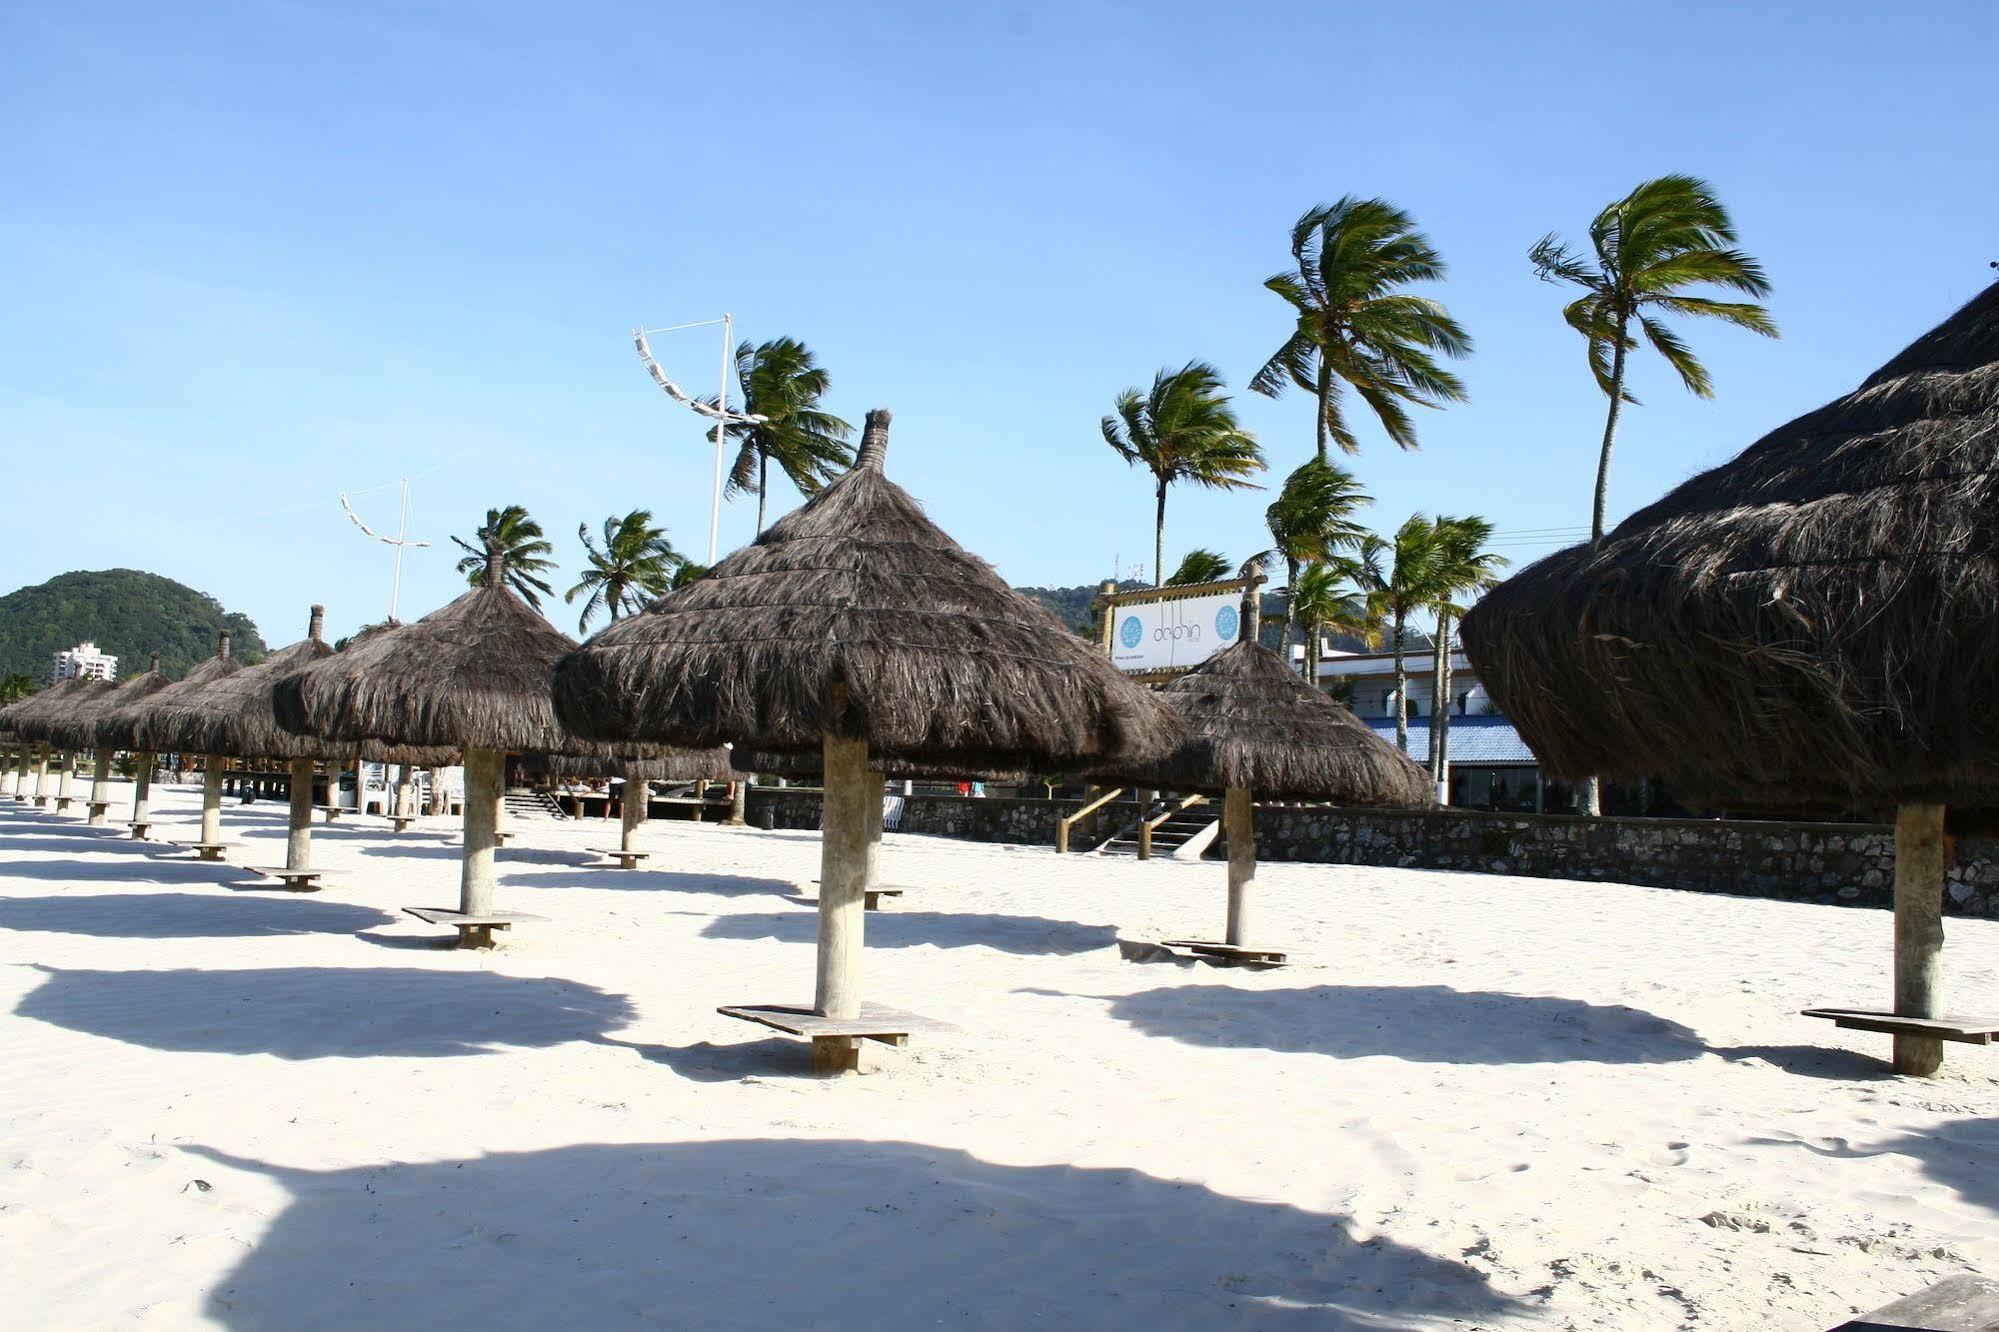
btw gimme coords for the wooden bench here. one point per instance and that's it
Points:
(139, 828)
(1970, 1031)
(500, 838)
(836, 1042)
(99, 808)
(402, 822)
(474, 931)
(871, 897)
(1963, 1303)
(1197, 950)
(298, 881)
(625, 859)
(62, 804)
(206, 850)
(332, 812)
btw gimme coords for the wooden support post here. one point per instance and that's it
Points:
(100, 787)
(66, 774)
(638, 795)
(700, 798)
(738, 795)
(211, 800)
(1919, 876)
(843, 860)
(872, 874)
(22, 758)
(142, 793)
(298, 840)
(42, 776)
(7, 779)
(1239, 826)
(485, 790)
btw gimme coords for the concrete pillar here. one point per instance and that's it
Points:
(1919, 876)
(1239, 826)
(41, 776)
(637, 795)
(23, 757)
(9, 780)
(738, 796)
(298, 838)
(66, 774)
(843, 858)
(100, 787)
(211, 800)
(871, 875)
(485, 771)
(142, 790)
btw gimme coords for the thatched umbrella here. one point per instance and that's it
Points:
(28, 718)
(856, 628)
(134, 724)
(1813, 624)
(75, 727)
(473, 676)
(1255, 729)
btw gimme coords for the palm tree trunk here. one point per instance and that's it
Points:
(1440, 722)
(1591, 795)
(763, 487)
(1290, 605)
(1436, 692)
(1401, 690)
(1325, 392)
(1159, 539)
(1312, 632)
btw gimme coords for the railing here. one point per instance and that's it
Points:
(1146, 826)
(1068, 821)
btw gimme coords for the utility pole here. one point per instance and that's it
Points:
(719, 413)
(399, 540)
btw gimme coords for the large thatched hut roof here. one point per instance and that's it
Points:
(1815, 623)
(30, 717)
(233, 717)
(132, 723)
(1252, 723)
(857, 616)
(472, 675)
(75, 725)
(806, 766)
(662, 764)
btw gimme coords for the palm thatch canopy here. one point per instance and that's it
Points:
(29, 718)
(810, 767)
(473, 675)
(131, 723)
(856, 616)
(233, 716)
(662, 764)
(1254, 725)
(1815, 623)
(76, 724)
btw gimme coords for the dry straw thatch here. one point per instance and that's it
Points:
(233, 717)
(1815, 623)
(856, 616)
(74, 723)
(1253, 724)
(134, 723)
(30, 718)
(473, 675)
(809, 767)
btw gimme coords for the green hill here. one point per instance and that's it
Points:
(1072, 604)
(126, 613)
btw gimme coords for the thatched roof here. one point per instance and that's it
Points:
(1253, 723)
(857, 615)
(665, 764)
(1813, 623)
(131, 723)
(30, 718)
(473, 675)
(75, 725)
(806, 765)
(233, 717)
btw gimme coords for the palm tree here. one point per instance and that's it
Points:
(783, 383)
(1200, 566)
(1400, 577)
(1664, 237)
(15, 686)
(1184, 430)
(687, 571)
(519, 537)
(1312, 522)
(1355, 327)
(635, 564)
(1325, 596)
(1464, 567)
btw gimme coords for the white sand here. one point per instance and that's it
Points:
(1475, 1101)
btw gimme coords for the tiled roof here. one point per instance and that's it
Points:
(1472, 739)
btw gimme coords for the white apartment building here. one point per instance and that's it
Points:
(83, 662)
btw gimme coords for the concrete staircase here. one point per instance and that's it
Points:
(1168, 839)
(523, 805)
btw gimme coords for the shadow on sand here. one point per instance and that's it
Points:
(324, 1012)
(643, 880)
(1963, 1154)
(1427, 1024)
(1814, 1061)
(1023, 935)
(506, 855)
(828, 1234)
(182, 916)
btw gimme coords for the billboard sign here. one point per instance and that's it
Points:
(1173, 633)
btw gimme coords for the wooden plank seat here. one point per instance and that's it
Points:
(62, 804)
(500, 838)
(1970, 1031)
(206, 850)
(872, 897)
(474, 931)
(1198, 950)
(402, 822)
(298, 881)
(98, 808)
(140, 827)
(333, 812)
(625, 859)
(836, 1041)
(1962, 1303)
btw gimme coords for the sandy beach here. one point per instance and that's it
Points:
(1471, 1102)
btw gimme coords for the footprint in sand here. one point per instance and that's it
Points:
(1672, 1154)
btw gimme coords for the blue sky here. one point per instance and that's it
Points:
(253, 255)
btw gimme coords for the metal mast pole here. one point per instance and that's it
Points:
(402, 521)
(721, 401)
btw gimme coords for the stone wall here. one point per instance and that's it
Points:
(1850, 864)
